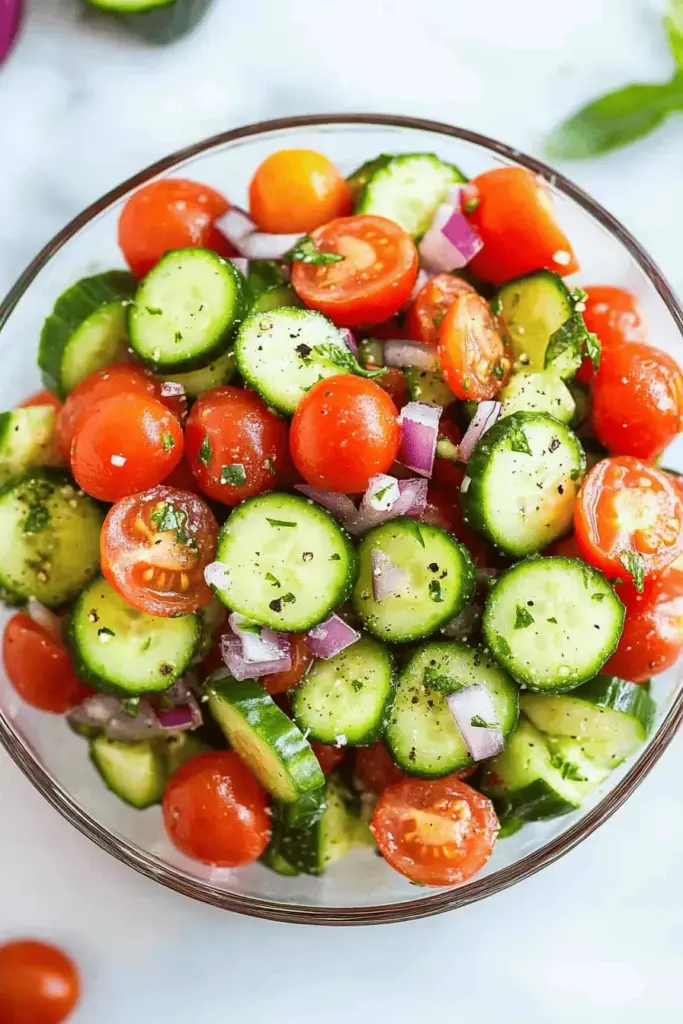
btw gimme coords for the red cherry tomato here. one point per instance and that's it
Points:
(637, 401)
(628, 519)
(216, 812)
(297, 190)
(427, 310)
(612, 314)
(41, 398)
(443, 509)
(356, 421)
(127, 444)
(235, 445)
(371, 283)
(395, 385)
(183, 479)
(472, 353)
(170, 214)
(375, 768)
(437, 833)
(154, 548)
(516, 222)
(39, 983)
(38, 667)
(329, 757)
(566, 546)
(280, 682)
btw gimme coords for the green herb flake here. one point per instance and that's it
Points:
(470, 205)
(279, 522)
(37, 520)
(167, 442)
(306, 251)
(147, 644)
(178, 336)
(435, 591)
(503, 646)
(634, 563)
(598, 597)
(567, 769)
(205, 452)
(356, 685)
(333, 558)
(498, 371)
(130, 706)
(480, 723)
(234, 474)
(288, 598)
(523, 618)
(517, 438)
(273, 579)
(436, 680)
(553, 620)
(168, 517)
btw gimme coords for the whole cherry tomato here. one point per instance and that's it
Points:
(39, 983)
(38, 667)
(297, 190)
(612, 314)
(329, 757)
(375, 768)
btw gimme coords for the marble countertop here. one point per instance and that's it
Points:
(597, 936)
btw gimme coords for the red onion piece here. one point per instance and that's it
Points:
(231, 652)
(340, 505)
(415, 354)
(419, 434)
(420, 281)
(486, 415)
(411, 501)
(217, 574)
(11, 13)
(349, 339)
(236, 224)
(261, 645)
(241, 264)
(263, 246)
(450, 242)
(179, 718)
(330, 637)
(44, 617)
(105, 713)
(388, 579)
(474, 704)
(382, 494)
(172, 389)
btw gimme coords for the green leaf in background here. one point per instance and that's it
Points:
(673, 23)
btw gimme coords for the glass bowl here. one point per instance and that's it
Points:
(360, 889)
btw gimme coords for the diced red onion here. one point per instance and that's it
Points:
(217, 574)
(486, 415)
(450, 242)
(340, 505)
(11, 12)
(261, 645)
(349, 339)
(241, 264)
(44, 617)
(463, 625)
(236, 224)
(411, 501)
(420, 281)
(486, 575)
(330, 637)
(419, 434)
(240, 231)
(414, 354)
(233, 656)
(388, 579)
(172, 389)
(472, 703)
(382, 494)
(179, 718)
(105, 713)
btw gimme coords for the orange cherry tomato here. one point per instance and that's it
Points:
(375, 768)
(38, 667)
(126, 444)
(329, 757)
(39, 983)
(170, 214)
(437, 833)
(356, 421)
(235, 445)
(41, 398)
(154, 548)
(215, 810)
(612, 314)
(280, 682)
(297, 190)
(435, 298)
(472, 352)
(371, 283)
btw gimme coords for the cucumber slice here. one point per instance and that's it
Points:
(130, 6)
(421, 732)
(407, 189)
(552, 622)
(538, 392)
(49, 538)
(360, 177)
(522, 481)
(288, 562)
(180, 748)
(439, 580)
(120, 649)
(607, 716)
(157, 21)
(264, 737)
(424, 386)
(26, 440)
(268, 288)
(186, 309)
(86, 330)
(219, 371)
(573, 762)
(135, 772)
(344, 700)
(531, 309)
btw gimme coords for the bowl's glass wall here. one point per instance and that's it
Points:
(39, 741)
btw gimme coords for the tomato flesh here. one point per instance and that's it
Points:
(39, 984)
(329, 757)
(375, 768)
(297, 190)
(472, 353)
(435, 298)
(38, 667)
(280, 682)
(612, 314)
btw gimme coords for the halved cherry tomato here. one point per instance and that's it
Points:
(329, 757)
(173, 213)
(41, 398)
(637, 400)
(154, 548)
(628, 519)
(437, 833)
(472, 353)
(443, 509)
(375, 768)
(39, 984)
(280, 682)
(395, 385)
(612, 314)
(371, 283)
(235, 445)
(352, 418)
(216, 811)
(297, 190)
(516, 222)
(38, 667)
(126, 444)
(427, 310)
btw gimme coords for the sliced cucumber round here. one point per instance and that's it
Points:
(428, 386)
(219, 371)
(406, 188)
(136, 772)
(538, 392)
(26, 440)
(532, 308)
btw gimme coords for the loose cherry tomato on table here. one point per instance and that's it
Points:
(628, 519)
(216, 811)
(437, 833)
(637, 400)
(345, 431)
(127, 444)
(297, 190)
(235, 445)
(41, 398)
(474, 361)
(375, 768)
(280, 682)
(612, 314)
(371, 283)
(329, 757)
(516, 222)
(173, 213)
(38, 667)
(427, 310)
(39, 983)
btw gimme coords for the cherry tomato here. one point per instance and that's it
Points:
(297, 190)
(395, 385)
(628, 519)
(565, 546)
(443, 509)
(516, 222)
(371, 283)
(613, 315)
(216, 811)
(126, 444)
(235, 445)
(437, 833)
(38, 667)
(356, 421)
(329, 757)
(41, 398)
(435, 298)
(637, 401)
(154, 548)
(170, 214)
(183, 479)
(375, 768)
(280, 682)
(39, 983)
(472, 353)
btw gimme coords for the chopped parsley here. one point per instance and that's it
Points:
(273, 579)
(233, 474)
(356, 685)
(523, 618)
(205, 452)
(634, 563)
(597, 597)
(130, 706)
(288, 598)
(38, 519)
(306, 251)
(270, 466)
(518, 439)
(279, 522)
(470, 205)
(567, 769)
(480, 723)
(153, 310)
(438, 681)
(435, 591)
(168, 517)
(168, 442)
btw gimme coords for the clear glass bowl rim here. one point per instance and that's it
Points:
(440, 901)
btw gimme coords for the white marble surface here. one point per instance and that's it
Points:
(596, 937)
